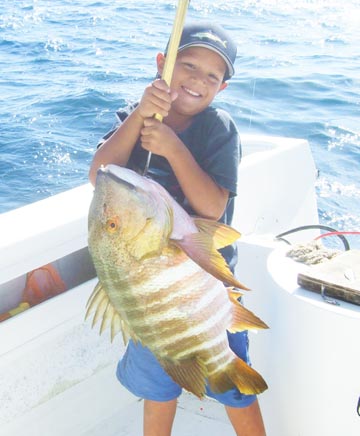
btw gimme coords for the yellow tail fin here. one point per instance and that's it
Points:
(241, 375)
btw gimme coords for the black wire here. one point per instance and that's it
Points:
(314, 226)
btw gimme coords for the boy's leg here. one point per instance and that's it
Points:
(159, 417)
(140, 372)
(246, 421)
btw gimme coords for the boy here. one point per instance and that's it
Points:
(195, 156)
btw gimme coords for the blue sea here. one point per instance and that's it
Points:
(68, 65)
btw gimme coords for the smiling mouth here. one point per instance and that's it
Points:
(190, 92)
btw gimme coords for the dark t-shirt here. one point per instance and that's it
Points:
(213, 140)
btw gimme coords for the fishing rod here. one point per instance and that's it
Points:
(171, 55)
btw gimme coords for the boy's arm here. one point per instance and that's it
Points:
(117, 148)
(204, 195)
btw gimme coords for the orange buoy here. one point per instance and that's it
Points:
(41, 284)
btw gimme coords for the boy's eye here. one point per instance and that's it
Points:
(214, 77)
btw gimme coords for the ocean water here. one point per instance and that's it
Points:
(67, 66)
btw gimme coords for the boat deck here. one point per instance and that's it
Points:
(76, 411)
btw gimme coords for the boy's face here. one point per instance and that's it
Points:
(197, 78)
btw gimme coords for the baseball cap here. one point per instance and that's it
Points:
(213, 37)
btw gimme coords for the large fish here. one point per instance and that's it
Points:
(161, 282)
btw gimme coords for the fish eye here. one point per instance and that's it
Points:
(112, 225)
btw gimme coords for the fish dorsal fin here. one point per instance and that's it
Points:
(189, 373)
(243, 319)
(100, 303)
(221, 234)
(201, 249)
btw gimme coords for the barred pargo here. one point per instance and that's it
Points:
(161, 282)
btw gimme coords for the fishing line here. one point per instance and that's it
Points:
(253, 99)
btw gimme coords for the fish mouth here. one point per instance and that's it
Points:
(111, 174)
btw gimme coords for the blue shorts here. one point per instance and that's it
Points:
(140, 372)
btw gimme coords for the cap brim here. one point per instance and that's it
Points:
(230, 69)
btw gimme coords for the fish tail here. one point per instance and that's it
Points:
(238, 374)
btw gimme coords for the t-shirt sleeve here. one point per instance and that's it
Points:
(222, 151)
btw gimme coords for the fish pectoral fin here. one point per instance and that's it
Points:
(200, 248)
(188, 373)
(100, 303)
(243, 319)
(221, 234)
(239, 374)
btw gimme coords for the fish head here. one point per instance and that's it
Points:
(128, 219)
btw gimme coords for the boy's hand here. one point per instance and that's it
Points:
(158, 138)
(157, 99)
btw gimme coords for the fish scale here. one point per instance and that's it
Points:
(175, 317)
